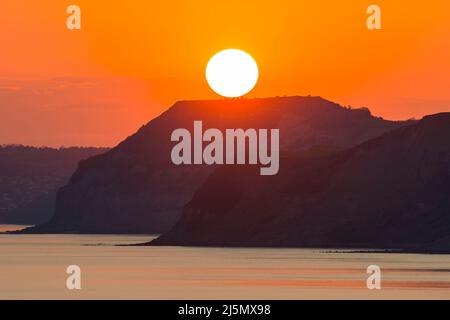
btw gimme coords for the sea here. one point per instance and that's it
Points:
(111, 267)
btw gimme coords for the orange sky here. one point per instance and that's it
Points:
(133, 59)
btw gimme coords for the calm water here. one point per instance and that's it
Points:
(33, 267)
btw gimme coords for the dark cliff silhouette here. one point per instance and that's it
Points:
(391, 192)
(135, 188)
(30, 177)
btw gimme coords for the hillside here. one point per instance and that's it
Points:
(392, 191)
(135, 188)
(29, 178)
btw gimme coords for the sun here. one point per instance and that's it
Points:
(232, 73)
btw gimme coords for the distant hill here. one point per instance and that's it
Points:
(392, 191)
(134, 188)
(29, 178)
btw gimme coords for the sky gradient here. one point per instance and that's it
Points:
(133, 59)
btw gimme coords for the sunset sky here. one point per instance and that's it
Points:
(133, 59)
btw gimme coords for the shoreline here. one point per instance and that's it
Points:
(428, 251)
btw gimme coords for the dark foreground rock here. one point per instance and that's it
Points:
(135, 188)
(389, 192)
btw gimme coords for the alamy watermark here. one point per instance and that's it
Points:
(374, 280)
(73, 281)
(228, 148)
